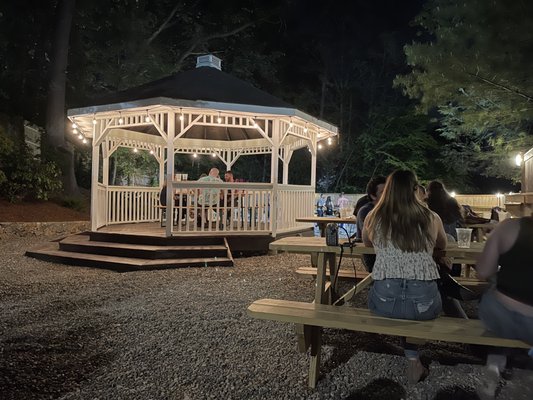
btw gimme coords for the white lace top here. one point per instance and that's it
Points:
(392, 262)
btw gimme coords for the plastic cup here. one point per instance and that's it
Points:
(463, 237)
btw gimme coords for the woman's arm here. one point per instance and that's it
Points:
(367, 235)
(440, 236)
(500, 241)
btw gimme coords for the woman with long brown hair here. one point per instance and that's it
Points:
(404, 233)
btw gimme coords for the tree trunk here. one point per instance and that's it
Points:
(55, 111)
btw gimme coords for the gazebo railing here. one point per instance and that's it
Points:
(127, 204)
(293, 202)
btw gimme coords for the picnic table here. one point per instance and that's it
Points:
(326, 257)
(323, 221)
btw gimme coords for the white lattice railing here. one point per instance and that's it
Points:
(126, 204)
(222, 207)
(293, 202)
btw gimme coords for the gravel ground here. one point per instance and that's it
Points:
(80, 333)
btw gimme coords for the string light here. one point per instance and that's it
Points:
(74, 131)
(135, 150)
(518, 160)
(120, 119)
(151, 152)
(290, 123)
(453, 194)
(195, 155)
(74, 125)
(181, 115)
(80, 136)
(94, 121)
(147, 118)
(219, 119)
(329, 141)
(214, 154)
(84, 140)
(255, 123)
(305, 129)
(319, 146)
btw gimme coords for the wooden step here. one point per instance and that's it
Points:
(82, 244)
(155, 240)
(51, 252)
(349, 274)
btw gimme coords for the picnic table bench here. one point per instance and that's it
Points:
(310, 318)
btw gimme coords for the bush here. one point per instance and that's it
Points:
(22, 176)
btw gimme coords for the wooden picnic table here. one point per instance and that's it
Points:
(327, 256)
(323, 221)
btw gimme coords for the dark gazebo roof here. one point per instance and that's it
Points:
(201, 83)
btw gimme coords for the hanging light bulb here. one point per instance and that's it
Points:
(147, 118)
(214, 155)
(135, 150)
(74, 131)
(195, 155)
(121, 120)
(290, 123)
(219, 119)
(319, 146)
(94, 121)
(74, 125)
(151, 152)
(84, 140)
(518, 160)
(80, 136)
(329, 141)
(181, 115)
(453, 194)
(305, 129)
(255, 123)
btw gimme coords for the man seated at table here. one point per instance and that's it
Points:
(208, 198)
(374, 190)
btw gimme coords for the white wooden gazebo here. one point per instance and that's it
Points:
(201, 112)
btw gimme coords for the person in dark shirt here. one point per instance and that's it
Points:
(374, 189)
(507, 308)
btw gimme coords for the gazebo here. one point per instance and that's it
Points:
(204, 111)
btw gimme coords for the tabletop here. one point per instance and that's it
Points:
(327, 220)
(300, 244)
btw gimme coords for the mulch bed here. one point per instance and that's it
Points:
(39, 211)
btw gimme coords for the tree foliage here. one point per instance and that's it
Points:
(472, 63)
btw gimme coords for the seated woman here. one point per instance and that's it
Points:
(507, 308)
(404, 234)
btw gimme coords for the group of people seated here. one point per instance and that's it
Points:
(326, 208)
(406, 224)
(207, 197)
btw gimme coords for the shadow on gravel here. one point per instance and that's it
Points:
(46, 365)
(379, 389)
(456, 393)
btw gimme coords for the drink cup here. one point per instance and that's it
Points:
(463, 237)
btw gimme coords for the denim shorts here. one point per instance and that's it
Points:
(504, 322)
(405, 299)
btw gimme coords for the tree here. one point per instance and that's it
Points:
(472, 64)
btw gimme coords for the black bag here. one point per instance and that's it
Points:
(332, 234)
(448, 286)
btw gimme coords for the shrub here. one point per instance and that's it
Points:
(23, 176)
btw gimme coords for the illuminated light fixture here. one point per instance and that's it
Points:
(329, 141)
(80, 136)
(214, 155)
(498, 195)
(135, 150)
(74, 125)
(120, 119)
(305, 129)
(290, 123)
(510, 192)
(147, 118)
(181, 115)
(195, 155)
(94, 121)
(84, 140)
(319, 146)
(518, 160)
(453, 194)
(151, 152)
(219, 119)
(255, 123)
(74, 131)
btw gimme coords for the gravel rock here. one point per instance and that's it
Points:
(81, 333)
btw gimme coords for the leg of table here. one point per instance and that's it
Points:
(320, 279)
(316, 344)
(303, 335)
(314, 260)
(322, 229)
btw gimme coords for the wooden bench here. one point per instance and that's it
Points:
(360, 275)
(311, 318)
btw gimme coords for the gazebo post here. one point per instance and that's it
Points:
(170, 171)
(313, 145)
(286, 162)
(274, 176)
(94, 185)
